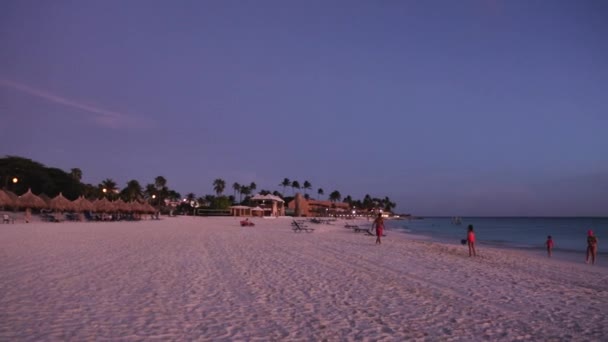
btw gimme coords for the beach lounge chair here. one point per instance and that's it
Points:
(300, 226)
(47, 217)
(351, 226)
(357, 229)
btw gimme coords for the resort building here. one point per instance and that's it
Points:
(269, 205)
(313, 208)
(243, 210)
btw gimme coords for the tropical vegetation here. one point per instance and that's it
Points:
(18, 174)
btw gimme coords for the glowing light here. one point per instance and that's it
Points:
(15, 180)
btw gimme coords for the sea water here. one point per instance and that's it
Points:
(529, 233)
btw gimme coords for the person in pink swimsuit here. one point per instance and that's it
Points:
(549, 244)
(379, 223)
(471, 241)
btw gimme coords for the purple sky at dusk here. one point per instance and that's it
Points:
(447, 107)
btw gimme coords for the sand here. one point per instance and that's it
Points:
(191, 278)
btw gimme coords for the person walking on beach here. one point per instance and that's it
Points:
(379, 224)
(549, 244)
(591, 247)
(471, 241)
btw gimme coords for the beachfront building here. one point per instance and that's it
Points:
(240, 210)
(243, 210)
(313, 208)
(270, 205)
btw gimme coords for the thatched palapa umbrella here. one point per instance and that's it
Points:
(13, 197)
(46, 199)
(103, 205)
(120, 205)
(149, 209)
(141, 208)
(129, 207)
(134, 208)
(28, 201)
(5, 199)
(81, 205)
(61, 203)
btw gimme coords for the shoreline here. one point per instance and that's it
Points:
(569, 256)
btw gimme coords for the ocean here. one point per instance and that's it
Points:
(527, 233)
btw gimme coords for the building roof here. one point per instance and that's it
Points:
(268, 197)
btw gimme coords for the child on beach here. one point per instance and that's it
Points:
(379, 223)
(471, 241)
(549, 244)
(591, 247)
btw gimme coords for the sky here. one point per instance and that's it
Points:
(486, 108)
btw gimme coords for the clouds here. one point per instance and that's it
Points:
(100, 116)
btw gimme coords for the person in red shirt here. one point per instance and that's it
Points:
(471, 241)
(549, 245)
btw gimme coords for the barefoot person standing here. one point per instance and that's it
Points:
(591, 247)
(471, 241)
(549, 245)
(379, 224)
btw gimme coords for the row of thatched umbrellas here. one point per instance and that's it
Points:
(59, 203)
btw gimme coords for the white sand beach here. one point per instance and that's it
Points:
(190, 278)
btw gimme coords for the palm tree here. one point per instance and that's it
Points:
(320, 192)
(252, 187)
(307, 196)
(278, 194)
(162, 192)
(132, 192)
(160, 182)
(306, 186)
(245, 190)
(348, 200)
(294, 185)
(150, 190)
(367, 202)
(388, 205)
(218, 186)
(90, 191)
(286, 182)
(335, 196)
(209, 199)
(173, 195)
(76, 174)
(190, 197)
(109, 186)
(236, 187)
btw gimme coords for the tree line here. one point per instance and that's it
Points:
(18, 174)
